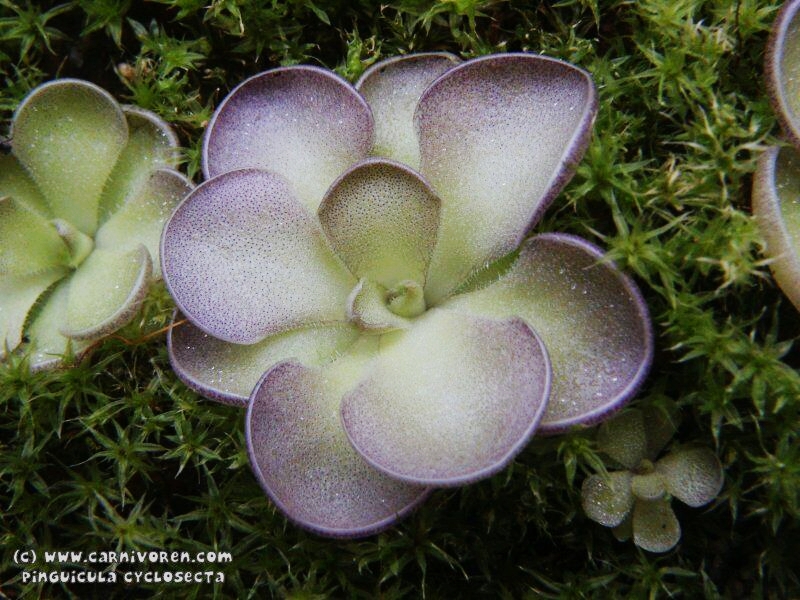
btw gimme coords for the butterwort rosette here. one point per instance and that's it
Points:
(84, 194)
(356, 270)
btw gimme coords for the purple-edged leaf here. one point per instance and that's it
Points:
(392, 89)
(47, 345)
(782, 67)
(19, 293)
(451, 400)
(590, 316)
(499, 138)
(16, 183)
(381, 220)
(28, 243)
(151, 145)
(693, 475)
(655, 527)
(607, 500)
(302, 122)
(304, 462)
(776, 205)
(106, 292)
(68, 135)
(228, 372)
(244, 259)
(623, 438)
(141, 219)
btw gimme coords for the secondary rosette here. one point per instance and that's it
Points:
(84, 194)
(344, 243)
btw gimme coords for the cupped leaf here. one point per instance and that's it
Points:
(499, 138)
(48, 346)
(451, 400)
(151, 145)
(228, 372)
(776, 205)
(392, 89)
(607, 499)
(381, 220)
(304, 462)
(590, 316)
(367, 308)
(304, 123)
(141, 219)
(782, 68)
(693, 475)
(655, 527)
(16, 183)
(623, 438)
(68, 135)
(28, 243)
(106, 292)
(244, 259)
(19, 293)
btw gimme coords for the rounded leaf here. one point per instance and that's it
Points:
(451, 400)
(392, 88)
(776, 206)
(244, 259)
(607, 500)
(782, 68)
(304, 462)
(623, 438)
(655, 526)
(500, 136)
(693, 475)
(304, 123)
(590, 316)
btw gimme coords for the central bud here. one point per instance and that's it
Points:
(406, 299)
(79, 244)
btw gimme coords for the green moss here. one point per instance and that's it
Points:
(116, 454)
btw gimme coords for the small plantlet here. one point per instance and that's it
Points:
(636, 502)
(345, 270)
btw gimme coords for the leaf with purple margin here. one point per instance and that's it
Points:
(499, 138)
(68, 134)
(304, 123)
(244, 259)
(451, 400)
(776, 206)
(228, 372)
(303, 460)
(392, 88)
(590, 316)
(693, 475)
(381, 220)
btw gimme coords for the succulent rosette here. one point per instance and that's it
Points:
(636, 501)
(84, 193)
(776, 186)
(366, 247)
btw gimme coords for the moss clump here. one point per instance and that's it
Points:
(116, 454)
